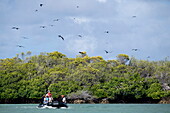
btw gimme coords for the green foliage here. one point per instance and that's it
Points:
(155, 91)
(64, 88)
(133, 87)
(122, 58)
(31, 76)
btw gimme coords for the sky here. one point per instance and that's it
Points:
(138, 28)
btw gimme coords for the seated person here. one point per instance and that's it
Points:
(63, 99)
(50, 99)
(46, 99)
(49, 93)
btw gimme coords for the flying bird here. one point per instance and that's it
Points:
(41, 5)
(15, 28)
(77, 6)
(135, 49)
(82, 52)
(106, 31)
(133, 16)
(51, 25)
(56, 20)
(80, 36)
(107, 51)
(42, 26)
(25, 37)
(61, 37)
(148, 57)
(20, 46)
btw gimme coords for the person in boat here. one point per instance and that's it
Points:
(63, 99)
(50, 99)
(46, 99)
(49, 93)
(59, 99)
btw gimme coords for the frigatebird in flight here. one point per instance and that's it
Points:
(42, 26)
(41, 5)
(61, 37)
(51, 25)
(135, 49)
(25, 37)
(20, 46)
(107, 51)
(82, 52)
(106, 31)
(56, 20)
(80, 36)
(15, 28)
(148, 57)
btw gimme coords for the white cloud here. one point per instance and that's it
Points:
(87, 44)
(119, 1)
(80, 20)
(102, 1)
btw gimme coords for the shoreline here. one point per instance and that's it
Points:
(93, 101)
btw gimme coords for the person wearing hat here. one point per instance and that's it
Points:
(49, 93)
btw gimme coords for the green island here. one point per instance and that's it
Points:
(84, 79)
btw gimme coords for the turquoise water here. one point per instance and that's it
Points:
(88, 108)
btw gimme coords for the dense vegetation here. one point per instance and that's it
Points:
(26, 76)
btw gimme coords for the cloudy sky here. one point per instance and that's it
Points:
(117, 26)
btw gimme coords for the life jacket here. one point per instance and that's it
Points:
(46, 99)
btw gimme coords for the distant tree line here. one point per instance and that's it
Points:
(26, 76)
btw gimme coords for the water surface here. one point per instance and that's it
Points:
(88, 108)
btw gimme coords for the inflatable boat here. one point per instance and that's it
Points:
(54, 104)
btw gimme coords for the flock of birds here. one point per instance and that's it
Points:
(60, 36)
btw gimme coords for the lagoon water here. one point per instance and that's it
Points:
(88, 108)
